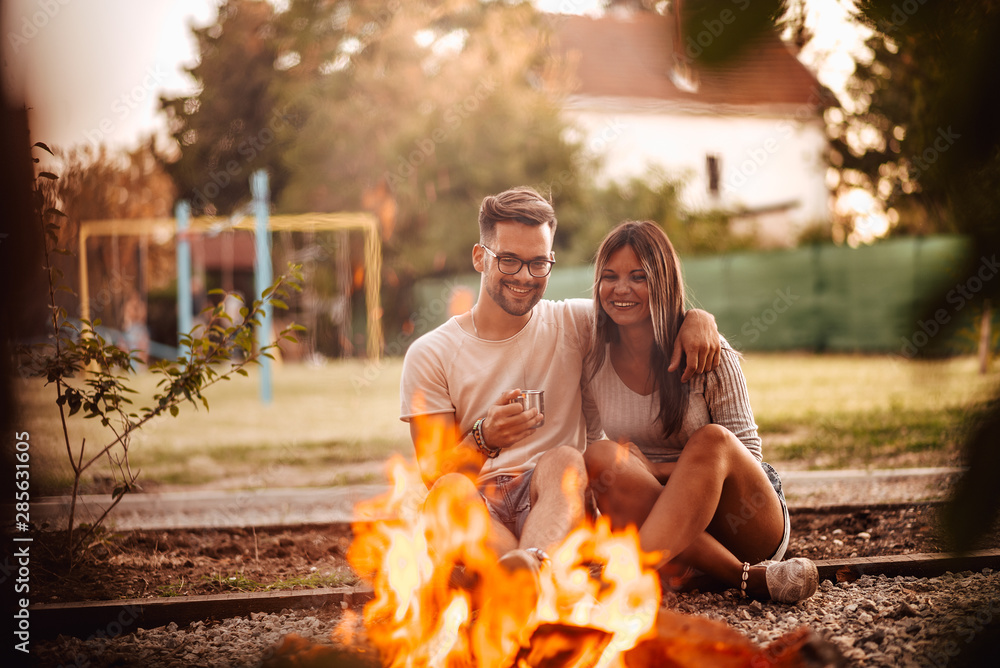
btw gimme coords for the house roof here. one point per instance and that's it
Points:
(634, 57)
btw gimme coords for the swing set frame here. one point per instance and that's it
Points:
(166, 228)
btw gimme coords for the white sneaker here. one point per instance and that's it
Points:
(792, 580)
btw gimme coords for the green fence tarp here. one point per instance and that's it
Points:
(819, 298)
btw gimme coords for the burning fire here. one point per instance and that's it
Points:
(442, 600)
(599, 596)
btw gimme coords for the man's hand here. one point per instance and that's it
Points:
(505, 425)
(508, 423)
(698, 339)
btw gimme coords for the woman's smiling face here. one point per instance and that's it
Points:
(623, 289)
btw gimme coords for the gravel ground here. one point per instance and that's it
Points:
(947, 621)
(875, 621)
(878, 621)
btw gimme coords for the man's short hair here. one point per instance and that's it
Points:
(522, 204)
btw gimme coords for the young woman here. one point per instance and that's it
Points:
(684, 461)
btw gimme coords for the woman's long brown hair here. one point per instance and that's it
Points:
(666, 303)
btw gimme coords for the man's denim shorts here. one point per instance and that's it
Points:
(508, 498)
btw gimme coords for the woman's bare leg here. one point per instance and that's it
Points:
(718, 487)
(716, 510)
(622, 481)
(713, 558)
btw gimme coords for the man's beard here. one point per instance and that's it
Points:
(499, 295)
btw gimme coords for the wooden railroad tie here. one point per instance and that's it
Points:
(114, 618)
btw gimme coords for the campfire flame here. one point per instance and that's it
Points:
(441, 599)
(410, 544)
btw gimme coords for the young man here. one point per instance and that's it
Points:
(464, 376)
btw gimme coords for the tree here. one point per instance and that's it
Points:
(441, 102)
(230, 128)
(744, 21)
(427, 104)
(874, 142)
(924, 137)
(919, 114)
(952, 138)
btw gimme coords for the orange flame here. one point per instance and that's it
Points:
(410, 544)
(598, 602)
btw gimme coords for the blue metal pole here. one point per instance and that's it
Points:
(262, 273)
(184, 304)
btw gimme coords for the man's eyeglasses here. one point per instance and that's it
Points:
(510, 265)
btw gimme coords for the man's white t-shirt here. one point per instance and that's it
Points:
(449, 370)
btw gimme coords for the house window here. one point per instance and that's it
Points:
(713, 169)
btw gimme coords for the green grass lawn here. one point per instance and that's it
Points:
(829, 411)
(321, 418)
(839, 411)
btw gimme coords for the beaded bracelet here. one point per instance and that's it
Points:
(477, 434)
(743, 583)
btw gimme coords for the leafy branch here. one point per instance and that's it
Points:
(91, 375)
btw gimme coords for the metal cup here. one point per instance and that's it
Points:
(532, 399)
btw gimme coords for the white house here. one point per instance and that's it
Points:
(747, 138)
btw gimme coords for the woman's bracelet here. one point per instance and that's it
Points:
(477, 434)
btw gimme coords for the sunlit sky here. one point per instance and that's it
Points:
(92, 71)
(96, 69)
